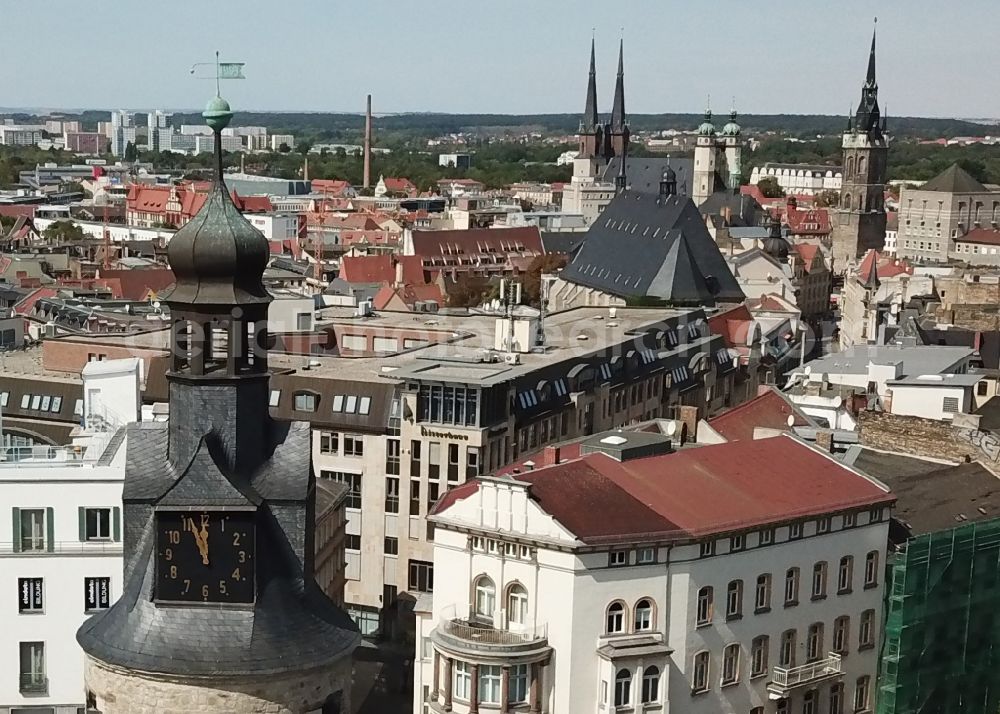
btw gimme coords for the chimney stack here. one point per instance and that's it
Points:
(305, 169)
(368, 143)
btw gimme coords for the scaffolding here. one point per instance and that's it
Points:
(941, 651)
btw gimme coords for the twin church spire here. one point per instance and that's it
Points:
(611, 138)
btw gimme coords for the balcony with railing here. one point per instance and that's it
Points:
(33, 683)
(458, 629)
(785, 680)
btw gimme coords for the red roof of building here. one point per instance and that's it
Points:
(807, 221)
(17, 211)
(808, 253)
(692, 492)
(136, 284)
(381, 269)
(395, 184)
(478, 241)
(887, 267)
(769, 410)
(335, 187)
(733, 325)
(192, 196)
(353, 221)
(409, 294)
(28, 303)
(980, 235)
(769, 302)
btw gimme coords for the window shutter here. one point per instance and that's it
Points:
(83, 523)
(50, 530)
(16, 518)
(116, 523)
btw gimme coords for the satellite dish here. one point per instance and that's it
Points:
(791, 420)
(671, 428)
(808, 369)
(156, 305)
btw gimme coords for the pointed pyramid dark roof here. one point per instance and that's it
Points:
(645, 246)
(590, 119)
(868, 271)
(618, 109)
(954, 179)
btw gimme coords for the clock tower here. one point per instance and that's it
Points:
(220, 611)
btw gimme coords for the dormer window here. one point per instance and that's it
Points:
(305, 401)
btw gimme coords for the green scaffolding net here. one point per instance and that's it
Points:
(941, 651)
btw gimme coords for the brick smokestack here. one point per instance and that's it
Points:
(368, 143)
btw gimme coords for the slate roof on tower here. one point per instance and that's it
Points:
(650, 246)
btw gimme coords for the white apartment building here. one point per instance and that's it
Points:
(802, 179)
(20, 135)
(61, 507)
(158, 131)
(276, 226)
(122, 131)
(624, 573)
(278, 139)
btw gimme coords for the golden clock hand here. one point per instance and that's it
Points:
(200, 539)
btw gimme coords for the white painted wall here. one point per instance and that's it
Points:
(928, 401)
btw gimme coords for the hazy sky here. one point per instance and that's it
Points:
(775, 56)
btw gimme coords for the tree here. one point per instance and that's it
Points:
(304, 147)
(770, 187)
(532, 281)
(131, 154)
(827, 199)
(469, 291)
(284, 148)
(64, 232)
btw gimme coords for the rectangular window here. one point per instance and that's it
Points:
(354, 445)
(762, 597)
(871, 569)
(759, 655)
(737, 543)
(329, 442)
(352, 541)
(364, 406)
(414, 497)
(819, 581)
(29, 591)
(463, 680)
(303, 321)
(845, 575)
(766, 536)
(841, 634)
(453, 462)
(814, 642)
(617, 558)
(823, 525)
(32, 530)
(338, 403)
(792, 587)
(795, 531)
(489, 683)
(861, 703)
(786, 654)
(518, 684)
(392, 456)
(96, 594)
(837, 698)
(32, 678)
(645, 556)
(46, 402)
(866, 630)
(707, 548)
(730, 664)
(391, 546)
(421, 576)
(353, 483)
(97, 524)
(391, 494)
(36, 401)
(25, 401)
(850, 520)
(700, 673)
(350, 404)
(434, 460)
(471, 462)
(414, 458)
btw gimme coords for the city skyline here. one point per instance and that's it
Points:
(674, 59)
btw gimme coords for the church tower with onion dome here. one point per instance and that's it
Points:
(220, 611)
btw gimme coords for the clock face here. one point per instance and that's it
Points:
(205, 556)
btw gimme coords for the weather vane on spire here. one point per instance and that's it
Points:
(223, 70)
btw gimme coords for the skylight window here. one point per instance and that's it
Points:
(338, 402)
(364, 405)
(614, 440)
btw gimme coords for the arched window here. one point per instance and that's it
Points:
(850, 165)
(845, 574)
(871, 569)
(643, 615)
(650, 684)
(862, 164)
(616, 617)
(762, 597)
(734, 599)
(623, 688)
(486, 598)
(731, 664)
(791, 586)
(517, 604)
(704, 613)
(700, 672)
(847, 201)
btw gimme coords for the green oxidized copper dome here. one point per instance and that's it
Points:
(217, 113)
(707, 128)
(732, 128)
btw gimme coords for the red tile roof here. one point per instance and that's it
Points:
(770, 303)
(136, 284)
(693, 492)
(808, 221)
(887, 267)
(18, 211)
(769, 410)
(395, 184)
(409, 294)
(478, 241)
(733, 325)
(192, 196)
(980, 235)
(808, 253)
(28, 303)
(381, 269)
(335, 187)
